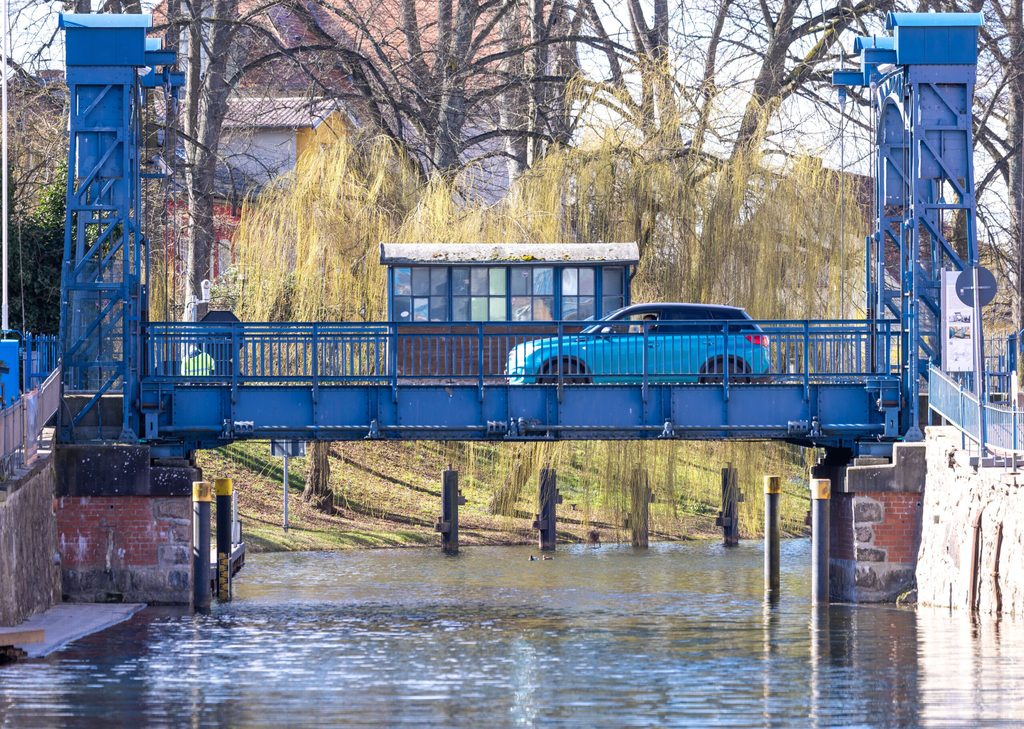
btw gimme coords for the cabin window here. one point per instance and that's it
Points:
(533, 294)
(612, 289)
(479, 294)
(420, 293)
(578, 293)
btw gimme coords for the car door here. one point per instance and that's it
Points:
(682, 343)
(622, 346)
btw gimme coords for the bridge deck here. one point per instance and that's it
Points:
(811, 382)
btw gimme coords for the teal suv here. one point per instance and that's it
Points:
(672, 342)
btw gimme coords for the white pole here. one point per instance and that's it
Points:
(4, 314)
(286, 493)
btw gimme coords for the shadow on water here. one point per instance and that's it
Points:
(601, 636)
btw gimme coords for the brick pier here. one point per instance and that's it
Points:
(875, 526)
(124, 525)
(125, 548)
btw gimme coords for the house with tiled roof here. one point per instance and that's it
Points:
(298, 80)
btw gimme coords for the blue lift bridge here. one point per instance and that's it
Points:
(852, 384)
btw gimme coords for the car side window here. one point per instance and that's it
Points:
(686, 320)
(637, 320)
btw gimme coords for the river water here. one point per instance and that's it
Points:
(605, 636)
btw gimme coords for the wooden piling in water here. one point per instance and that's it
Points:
(549, 498)
(448, 522)
(640, 502)
(729, 516)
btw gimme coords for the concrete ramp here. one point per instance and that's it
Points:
(64, 623)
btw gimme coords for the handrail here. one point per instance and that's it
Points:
(726, 352)
(22, 423)
(958, 405)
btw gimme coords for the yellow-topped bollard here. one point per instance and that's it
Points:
(202, 491)
(821, 492)
(223, 488)
(772, 535)
(202, 497)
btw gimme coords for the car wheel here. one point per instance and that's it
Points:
(573, 372)
(711, 372)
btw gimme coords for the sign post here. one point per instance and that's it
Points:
(976, 287)
(286, 449)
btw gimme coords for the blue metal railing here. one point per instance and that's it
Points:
(954, 401)
(720, 352)
(41, 356)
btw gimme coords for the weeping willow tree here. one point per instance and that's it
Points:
(736, 231)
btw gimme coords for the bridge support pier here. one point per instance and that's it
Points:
(729, 516)
(545, 522)
(820, 510)
(640, 503)
(223, 488)
(124, 525)
(772, 530)
(202, 496)
(448, 523)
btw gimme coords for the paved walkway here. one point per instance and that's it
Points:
(66, 622)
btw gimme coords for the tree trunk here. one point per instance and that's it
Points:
(1015, 143)
(206, 104)
(318, 478)
(510, 114)
(769, 80)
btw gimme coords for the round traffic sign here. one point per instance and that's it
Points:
(986, 286)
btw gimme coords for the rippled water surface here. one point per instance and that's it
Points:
(602, 636)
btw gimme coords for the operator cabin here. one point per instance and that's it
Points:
(496, 283)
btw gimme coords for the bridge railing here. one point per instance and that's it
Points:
(21, 424)
(734, 351)
(952, 398)
(41, 356)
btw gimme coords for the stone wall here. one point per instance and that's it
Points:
(126, 548)
(29, 574)
(972, 542)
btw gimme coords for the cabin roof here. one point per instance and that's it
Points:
(443, 254)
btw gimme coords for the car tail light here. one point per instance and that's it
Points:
(760, 340)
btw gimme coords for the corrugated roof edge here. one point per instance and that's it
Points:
(511, 253)
(935, 20)
(105, 20)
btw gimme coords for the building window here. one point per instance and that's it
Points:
(421, 293)
(478, 294)
(578, 293)
(533, 294)
(612, 289)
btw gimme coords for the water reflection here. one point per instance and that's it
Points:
(595, 637)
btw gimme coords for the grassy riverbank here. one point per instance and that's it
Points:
(388, 495)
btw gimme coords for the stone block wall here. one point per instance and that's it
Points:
(875, 527)
(126, 548)
(875, 549)
(972, 542)
(29, 573)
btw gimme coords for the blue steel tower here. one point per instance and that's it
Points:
(921, 84)
(110, 63)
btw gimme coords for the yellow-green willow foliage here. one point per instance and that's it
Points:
(735, 232)
(307, 245)
(738, 232)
